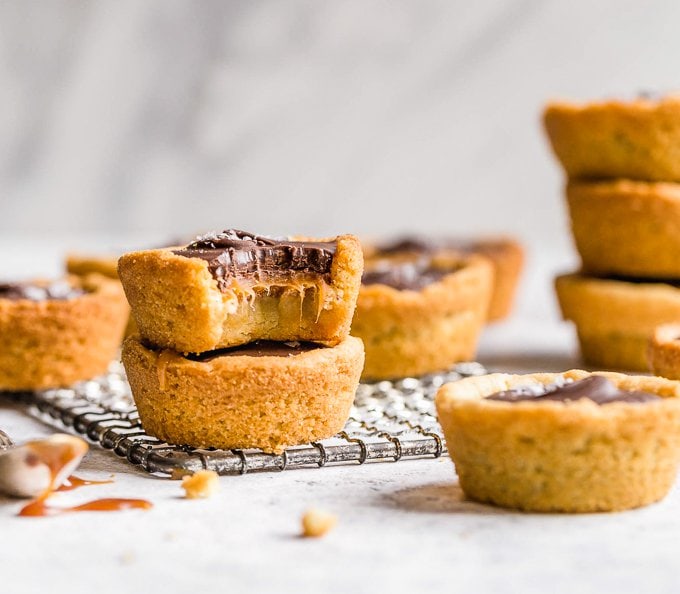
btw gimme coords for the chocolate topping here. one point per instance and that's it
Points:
(234, 253)
(430, 245)
(410, 243)
(596, 388)
(259, 348)
(404, 276)
(57, 291)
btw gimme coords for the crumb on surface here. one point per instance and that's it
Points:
(316, 522)
(201, 484)
(178, 474)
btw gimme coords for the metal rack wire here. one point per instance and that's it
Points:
(389, 421)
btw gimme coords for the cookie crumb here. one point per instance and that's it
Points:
(178, 474)
(316, 523)
(201, 484)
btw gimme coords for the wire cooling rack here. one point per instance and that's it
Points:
(389, 421)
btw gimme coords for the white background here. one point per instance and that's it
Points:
(306, 116)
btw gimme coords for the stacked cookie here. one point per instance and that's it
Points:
(623, 164)
(244, 340)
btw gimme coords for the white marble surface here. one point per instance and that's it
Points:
(403, 527)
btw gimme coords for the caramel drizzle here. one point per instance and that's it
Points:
(164, 359)
(75, 482)
(56, 459)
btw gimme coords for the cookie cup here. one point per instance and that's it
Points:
(615, 318)
(177, 304)
(562, 456)
(242, 401)
(627, 228)
(413, 332)
(82, 265)
(637, 139)
(54, 343)
(507, 259)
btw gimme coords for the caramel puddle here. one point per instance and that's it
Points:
(59, 456)
(74, 482)
(39, 507)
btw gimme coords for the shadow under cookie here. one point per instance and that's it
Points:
(434, 498)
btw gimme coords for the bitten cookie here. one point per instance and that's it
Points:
(56, 333)
(506, 256)
(615, 318)
(418, 313)
(664, 351)
(627, 228)
(637, 139)
(262, 395)
(233, 287)
(605, 442)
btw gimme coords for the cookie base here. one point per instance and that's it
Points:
(241, 402)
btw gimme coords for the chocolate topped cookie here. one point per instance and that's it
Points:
(420, 313)
(505, 255)
(233, 287)
(56, 333)
(569, 442)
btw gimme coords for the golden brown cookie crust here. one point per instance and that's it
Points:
(627, 228)
(664, 351)
(507, 258)
(243, 402)
(177, 304)
(616, 318)
(410, 333)
(562, 456)
(83, 264)
(54, 343)
(616, 139)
